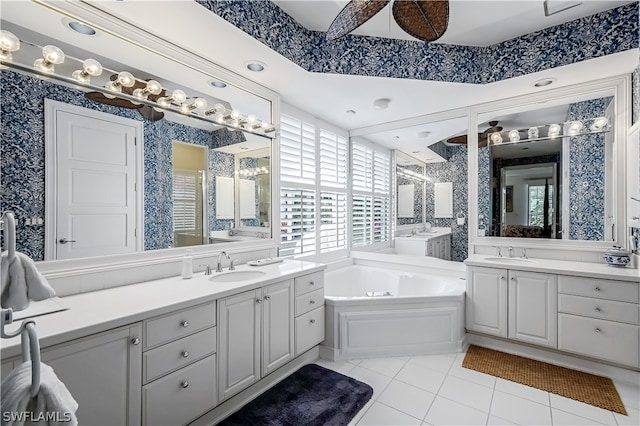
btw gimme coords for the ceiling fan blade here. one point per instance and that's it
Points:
(426, 20)
(462, 139)
(354, 14)
(117, 102)
(458, 139)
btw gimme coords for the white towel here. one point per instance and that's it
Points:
(53, 404)
(22, 282)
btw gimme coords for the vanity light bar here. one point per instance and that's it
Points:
(411, 174)
(569, 128)
(177, 102)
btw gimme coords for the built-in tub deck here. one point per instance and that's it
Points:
(392, 305)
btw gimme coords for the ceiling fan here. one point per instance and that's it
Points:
(425, 20)
(483, 137)
(145, 110)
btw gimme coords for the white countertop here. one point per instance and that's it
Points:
(426, 235)
(98, 311)
(562, 267)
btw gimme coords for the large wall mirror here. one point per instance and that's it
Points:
(152, 159)
(550, 169)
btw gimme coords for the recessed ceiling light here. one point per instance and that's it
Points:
(351, 112)
(424, 134)
(382, 103)
(81, 28)
(218, 84)
(256, 66)
(544, 82)
(396, 137)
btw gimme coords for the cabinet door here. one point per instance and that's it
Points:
(487, 300)
(239, 344)
(277, 313)
(104, 374)
(533, 307)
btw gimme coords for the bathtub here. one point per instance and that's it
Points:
(393, 305)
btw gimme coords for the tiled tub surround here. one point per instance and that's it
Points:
(163, 337)
(22, 159)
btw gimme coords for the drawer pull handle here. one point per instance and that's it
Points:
(596, 309)
(135, 341)
(267, 298)
(312, 302)
(597, 330)
(312, 283)
(312, 321)
(185, 354)
(184, 384)
(258, 301)
(596, 288)
(184, 324)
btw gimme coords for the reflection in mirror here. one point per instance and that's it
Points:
(548, 173)
(410, 179)
(25, 131)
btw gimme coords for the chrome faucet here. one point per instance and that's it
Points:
(498, 251)
(510, 251)
(524, 253)
(219, 262)
(207, 269)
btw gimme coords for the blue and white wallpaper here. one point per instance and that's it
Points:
(22, 159)
(454, 170)
(484, 189)
(608, 32)
(418, 195)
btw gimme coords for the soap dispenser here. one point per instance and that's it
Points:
(187, 265)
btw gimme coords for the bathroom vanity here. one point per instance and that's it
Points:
(434, 243)
(581, 308)
(170, 350)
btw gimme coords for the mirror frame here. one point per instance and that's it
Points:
(620, 88)
(119, 28)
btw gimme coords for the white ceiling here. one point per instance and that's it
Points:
(329, 96)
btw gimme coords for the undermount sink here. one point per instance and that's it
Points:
(509, 259)
(233, 276)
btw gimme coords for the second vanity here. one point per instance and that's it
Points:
(435, 243)
(580, 308)
(166, 352)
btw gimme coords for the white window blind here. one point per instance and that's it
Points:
(313, 199)
(371, 210)
(186, 198)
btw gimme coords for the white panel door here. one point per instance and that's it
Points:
(277, 341)
(96, 184)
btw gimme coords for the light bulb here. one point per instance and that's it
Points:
(153, 87)
(164, 102)
(251, 119)
(53, 54)
(599, 123)
(235, 114)
(8, 43)
(554, 130)
(178, 96)
(113, 86)
(90, 67)
(217, 109)
(200, 103)
(533, 133)
(496, 137)
(514, 135)
(126, 79)
(575, 127)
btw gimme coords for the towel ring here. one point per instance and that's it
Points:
(29, 343)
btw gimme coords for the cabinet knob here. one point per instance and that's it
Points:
(312, 302)
(502, 278)
(597, 330)
(596, 309)
(312, 283)
(635, 217)
(258, 301)
(185, 354)
(513, 278)
(312, 321)
(267, 298)
(596, 288)
(184, 324)
(184, 384)
(135, 341)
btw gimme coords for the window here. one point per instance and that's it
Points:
(371, 210)
(313, 194)
(536, 205)
(187, 217)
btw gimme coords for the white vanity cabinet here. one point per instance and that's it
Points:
(425, 245)
(255, 336)
(179, 366)
(309, 312)
(103, 373)
(514, 304)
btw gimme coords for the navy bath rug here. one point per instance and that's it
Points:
(312, 396)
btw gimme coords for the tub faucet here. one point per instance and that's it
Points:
(510, 251)
(219, 263)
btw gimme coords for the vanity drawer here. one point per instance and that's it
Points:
(309, 301)
(622, 291)
(182, 396)
(174, 355)
(597, 338)
(599, 308)
(308, 283)
(178, 324)
(309, 330)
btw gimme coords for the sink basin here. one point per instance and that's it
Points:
(233, 276)
(509, 259)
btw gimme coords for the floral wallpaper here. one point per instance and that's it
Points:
(608, 32)
(454, 170)
(418, 195)
(22, 159)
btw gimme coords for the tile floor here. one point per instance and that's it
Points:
(437, 390)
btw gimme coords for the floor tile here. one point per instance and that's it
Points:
(561, 418)
(424, 378)
(406, 398)
(523, 391)
(343, 367)
(471, 375)
(387, 366)
(497, 421)
(376, 380)
(467, 393)
(379, 414)
(632, 417)
(435, 362)
(581, 409)
(629, 393)
(519, 410)
(447, 412)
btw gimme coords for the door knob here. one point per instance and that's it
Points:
(65, 241)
